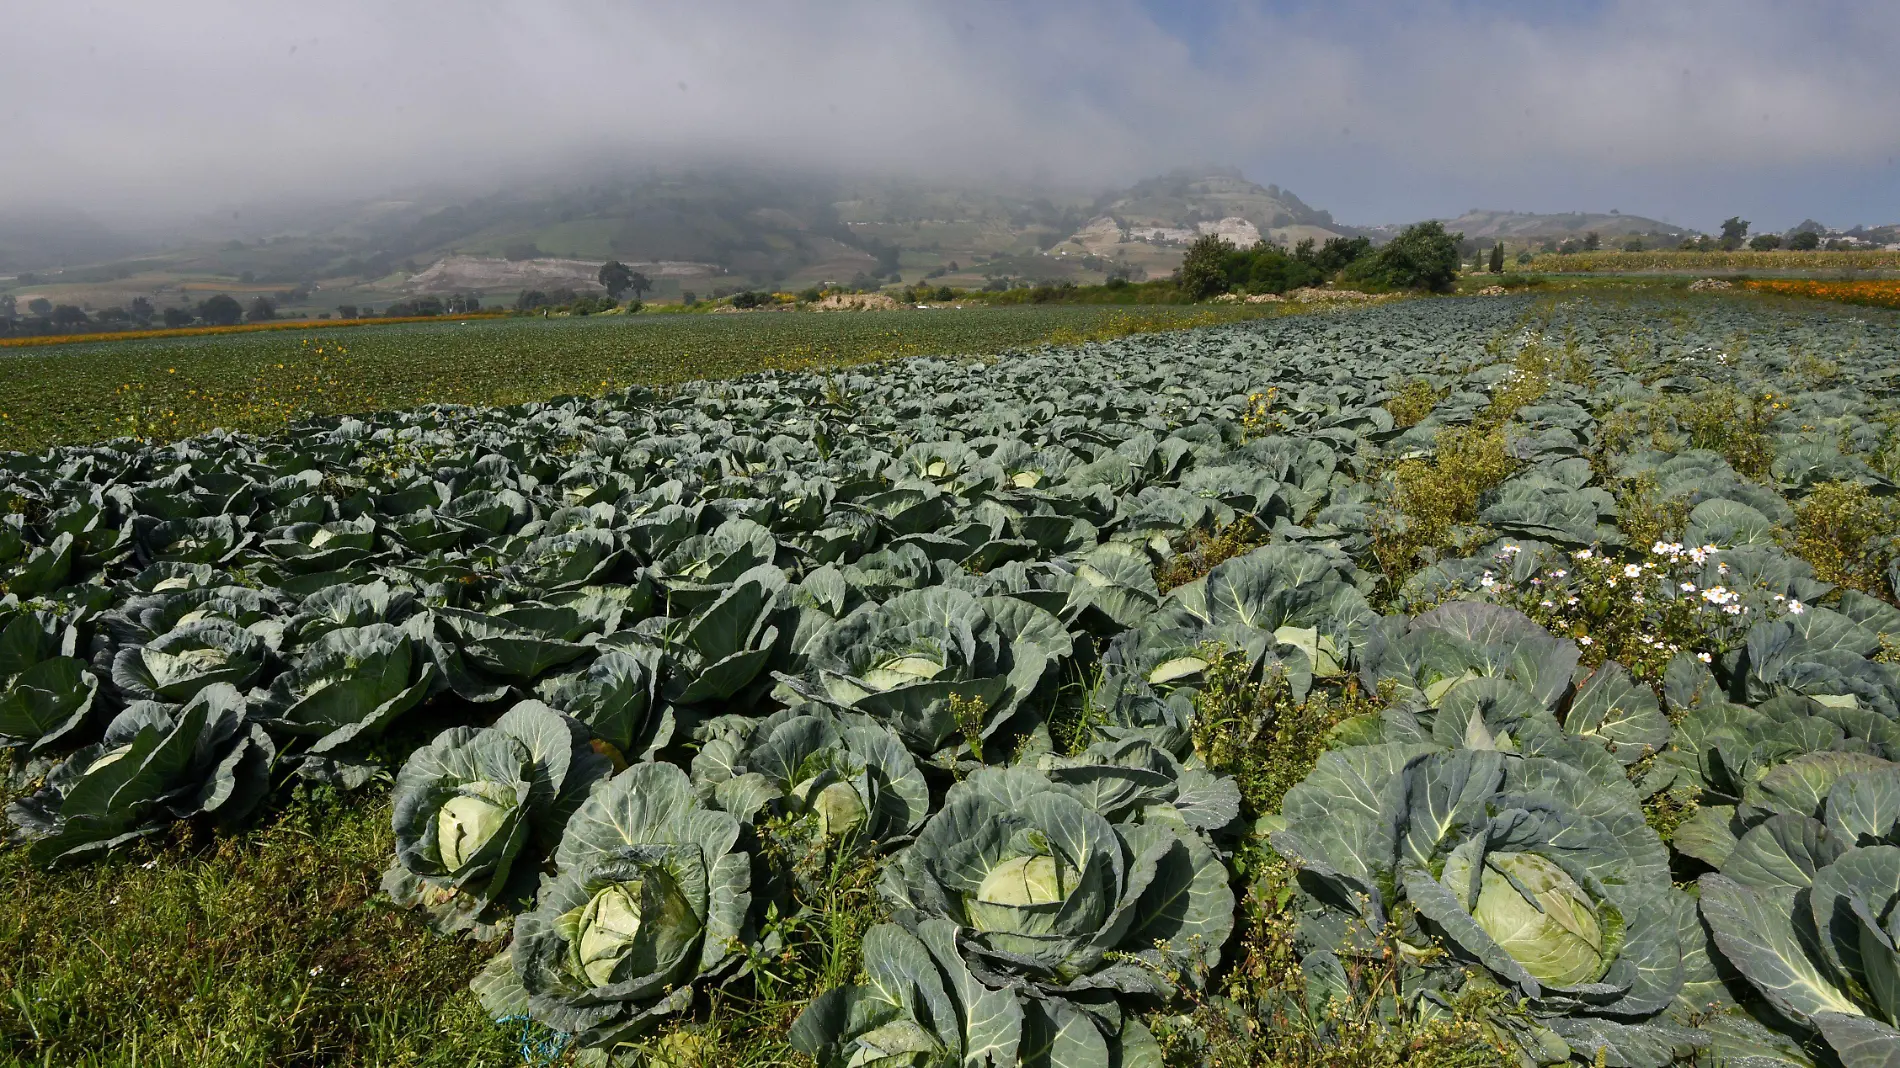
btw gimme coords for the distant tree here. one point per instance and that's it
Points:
(521, 250)
(40, 306)
(945, 293)
(1765, 242)
(1203, 270)
(1424, 257)
(8, 306)
(1338, 253)
(115, 316)
(427, 306)
(1734, 231)
(346, 311)
(1524, 258)
(616, 278)
(1805, 241)
(1592, 241)
(142, 310)
(463, 303)
(221, 310)
(177, 317)
(262, 309)
(1497, 258)
(688, 297)
(563, 296)
(639, 284)
(1634, 244)
(69, 315)
(530, 299)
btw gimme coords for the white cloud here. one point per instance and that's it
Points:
(196, 103)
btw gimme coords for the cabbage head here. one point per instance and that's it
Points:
(617, 697)
(649, 898)
(1057, 901)
(903, 661)
(919, 1008)
(1534, 877)
(840, 780)
(348, 687)
(157, 764)
(177, 664)
(46, 693)
(478, 808)
(1288, 599)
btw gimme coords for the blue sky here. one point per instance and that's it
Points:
(1688, 110)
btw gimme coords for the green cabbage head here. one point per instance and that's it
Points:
(1056, 900)
(477, 809)
(649, 897)
(1533, 874)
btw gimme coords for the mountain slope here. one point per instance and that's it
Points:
(1486, 225)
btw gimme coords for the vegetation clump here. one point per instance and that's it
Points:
(1201, 550)
(1431, 499)
(1848, 534)
(1412, 403)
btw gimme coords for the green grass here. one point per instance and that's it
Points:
(272, 947)
(173, 388)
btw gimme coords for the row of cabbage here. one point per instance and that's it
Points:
(847, 609)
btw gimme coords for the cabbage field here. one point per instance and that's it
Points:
(1475, 681)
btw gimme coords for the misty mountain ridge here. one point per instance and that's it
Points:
(755, 227)
(707, 228)
(1490, 225)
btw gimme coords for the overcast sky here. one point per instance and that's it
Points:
(1690, 111)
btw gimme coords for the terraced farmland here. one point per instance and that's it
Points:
(1489, 681)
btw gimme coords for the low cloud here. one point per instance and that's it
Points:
(1692, 110)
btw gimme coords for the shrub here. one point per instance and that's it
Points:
(1203, 271)
(1424, 257)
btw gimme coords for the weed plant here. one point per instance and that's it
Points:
(1200, 550)
(1848, 535)
(1640, 614)
(1431, 500)
(1249, 726)
(1412, 403)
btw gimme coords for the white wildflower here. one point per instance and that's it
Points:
(1795, 608)
(1704, 657)
(1632, 571)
